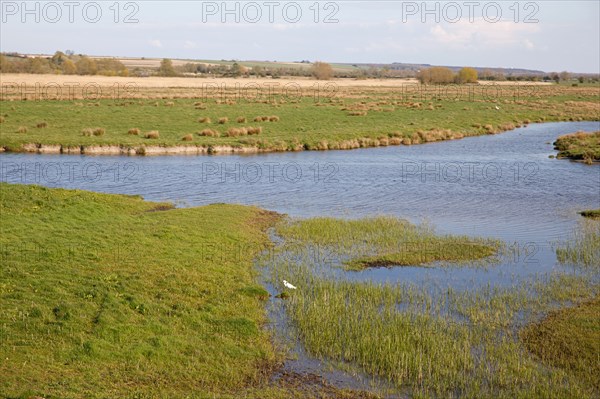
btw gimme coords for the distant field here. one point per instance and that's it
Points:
(339, 114)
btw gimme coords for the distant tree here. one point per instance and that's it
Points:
(436, 75)
(58, 58)
(4, 63)
(86, 66)
(581, 79)
(68, 67)
(166, 68)
(38, 65)
(322, 71)
(237, 70)
(564, 75)
(555, 77)
(467, 75)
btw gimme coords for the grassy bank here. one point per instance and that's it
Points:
(269, 120)
(426, 342)
(581, 146)
(108, 296)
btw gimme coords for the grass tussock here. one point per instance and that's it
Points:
(22, 129)
(134, 131)
(2, 119)
(223, 120)
(241, 119)
(209, 133)
(99, 131)
(204, 119)
(236, 132)
(153, 134)
(187, 137)
(42, 125)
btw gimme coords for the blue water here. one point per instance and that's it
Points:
(502, 186)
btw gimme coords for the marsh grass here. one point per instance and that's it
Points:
(428, 342)
(386, 241)
(584, 248)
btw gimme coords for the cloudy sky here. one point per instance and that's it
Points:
(545, 35)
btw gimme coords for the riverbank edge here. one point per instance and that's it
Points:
(143, 150)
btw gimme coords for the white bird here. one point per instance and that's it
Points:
(288, 285)
(497, 107)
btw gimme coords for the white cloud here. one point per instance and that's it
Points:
(155, 43)
(483, 34)
(189, 44)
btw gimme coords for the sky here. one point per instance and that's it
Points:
(541, 35)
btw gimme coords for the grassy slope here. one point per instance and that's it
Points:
(313, 125)
(103, 298)
(580, 145)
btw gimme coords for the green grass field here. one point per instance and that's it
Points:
(353, 118)
(106, 296)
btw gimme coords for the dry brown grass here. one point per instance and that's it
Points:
(209, 133)
(273, 118)
(42, 125)
(22, 129)
(223, 120)
(99, 131)
(134, 131)
(254, 130)
(241, 119)
(204, 119)
(187, 137)
(153, 134)
(236, 132)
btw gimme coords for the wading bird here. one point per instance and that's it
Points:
(288, 285)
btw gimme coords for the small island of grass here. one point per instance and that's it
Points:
(579, 146)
